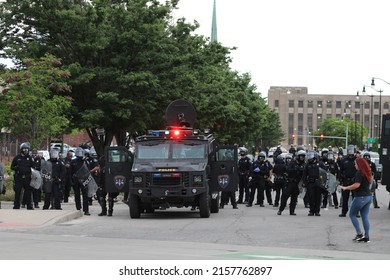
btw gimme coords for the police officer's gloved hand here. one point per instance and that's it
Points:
(257, 170)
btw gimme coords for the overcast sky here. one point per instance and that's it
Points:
(331, 47)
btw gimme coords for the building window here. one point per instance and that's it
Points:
(338, 104)
(291, 104)
(386, 105)
(291, 123)
(357, 105)
(328, 116)
(329, 104)
(300, 120)
(276, 104)
(367, 105)
(309, 104)
(319, 104)
(300, 103)
(310, 120)
(376, 105)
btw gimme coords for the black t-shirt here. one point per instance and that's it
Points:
(364, 188)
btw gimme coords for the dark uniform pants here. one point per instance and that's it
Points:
(292, 191)
(22, 183)
(314, 193)
(259, 185)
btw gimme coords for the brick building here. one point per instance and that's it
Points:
(301, 113)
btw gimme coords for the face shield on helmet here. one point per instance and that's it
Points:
(261, 156)
(301, 156)
(79, 152)
(351, 150)
(54, 153)
(311, 157)
(24, 148)
(367, 156)
(330, 157)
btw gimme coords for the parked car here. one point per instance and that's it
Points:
(273, 149)
(65, 148)
(45, 154)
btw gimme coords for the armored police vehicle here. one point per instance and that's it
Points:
(176, 167)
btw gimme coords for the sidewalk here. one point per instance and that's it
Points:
(23, 218)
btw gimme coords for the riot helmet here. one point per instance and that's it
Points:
(300, 156)
(243, 151)
(330, 157)
(279, 159)
(287, 159)
(351, 151)
(261, 156)
(79, 152)
(324, 153)
(367, 156)
(24, 148)
(311, 157)
(54, 153)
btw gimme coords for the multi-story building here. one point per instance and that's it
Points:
(301, 113)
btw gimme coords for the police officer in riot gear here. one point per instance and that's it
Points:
(260, 172)
(347, 174)
(78, 188)
(57, 176)
(244, 167)
(294, 176)
(93, 166)
(36, 193)
(288, 159)
(280, 174)
(333, 168)
(102, 193)
(21, 165)
(324, 160)
(67, 183)
(311, 179)
(372, 165)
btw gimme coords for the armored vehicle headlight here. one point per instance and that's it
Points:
(198, 179)
(137, 179)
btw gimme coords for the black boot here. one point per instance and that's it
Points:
(103, 204)
(110, 206)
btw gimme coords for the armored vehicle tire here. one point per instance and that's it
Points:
(204, 205)
(214, 204)
(134, 206)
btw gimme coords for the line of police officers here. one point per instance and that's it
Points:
(58, 181)
(297, 174)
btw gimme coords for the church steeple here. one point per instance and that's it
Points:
(214, 24)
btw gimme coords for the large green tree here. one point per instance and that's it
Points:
(34, 100)
(128, 60)
(336, 130)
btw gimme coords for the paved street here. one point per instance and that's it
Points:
(245, 233)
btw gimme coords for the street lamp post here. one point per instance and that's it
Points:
(361, 119)
(380, 106)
